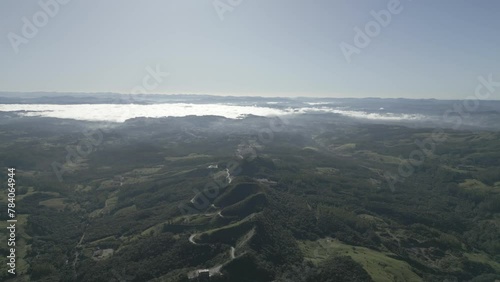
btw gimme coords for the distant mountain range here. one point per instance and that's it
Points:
(414, 112)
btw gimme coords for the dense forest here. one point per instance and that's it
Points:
(316, 199)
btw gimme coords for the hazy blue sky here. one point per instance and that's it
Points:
(430, 49)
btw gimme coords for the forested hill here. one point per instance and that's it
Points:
(318, 198)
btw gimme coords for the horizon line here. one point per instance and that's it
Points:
(235, 96)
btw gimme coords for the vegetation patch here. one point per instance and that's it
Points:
(379, 265)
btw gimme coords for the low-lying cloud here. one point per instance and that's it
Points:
(122, 112)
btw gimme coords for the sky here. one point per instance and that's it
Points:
(426, 49)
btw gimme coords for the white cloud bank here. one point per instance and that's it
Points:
(122, 112)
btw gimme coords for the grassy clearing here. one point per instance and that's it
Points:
(96, 242)
(326, 170)
(82, 188)
(483, 258)
(454, 169)
(153, 230)
(111, 203)
(379, 265)
(379, 157)
(474, 184)
(30, 191)
(56, 203)
(127, 210)
(309, 148)
(181, 172)
(376, 220)
(188, 157)
(22, 247)
(147, 170)
(346, 147)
